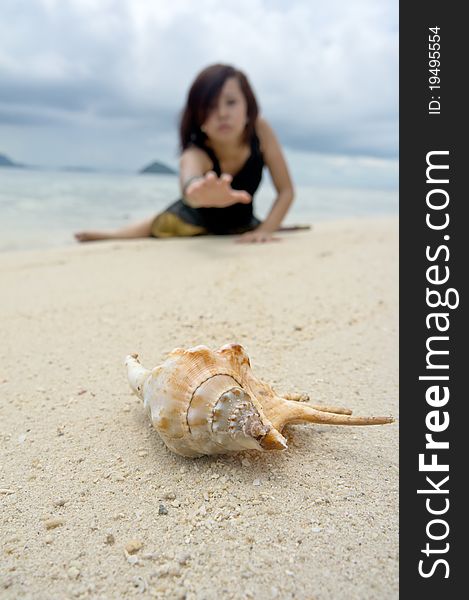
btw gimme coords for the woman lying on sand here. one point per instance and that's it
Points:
(224, 147)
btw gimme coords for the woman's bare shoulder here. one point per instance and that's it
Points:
(267, 138)
(195, 156)
(263, 128)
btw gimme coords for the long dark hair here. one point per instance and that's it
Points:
(203, 93)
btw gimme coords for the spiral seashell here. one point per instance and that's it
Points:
(208, 402)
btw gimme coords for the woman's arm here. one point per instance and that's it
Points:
(200, 187)
(276, 163)
(193, 164)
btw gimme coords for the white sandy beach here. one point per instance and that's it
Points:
(83, 476)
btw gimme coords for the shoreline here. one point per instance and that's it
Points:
(313, 222)
(84, 475)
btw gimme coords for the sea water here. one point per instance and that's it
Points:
(42, 209)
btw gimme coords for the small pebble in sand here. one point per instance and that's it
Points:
(170, 569)
(169, 495)
(162, 510)
(53, 523)
(140, 584)
(133, 546)
(73, 571)
(58, 502)
(256, 482)
(183, 558)
(110, 539)
(6, 583)
(150, 556)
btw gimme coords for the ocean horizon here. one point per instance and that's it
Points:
(43, 208)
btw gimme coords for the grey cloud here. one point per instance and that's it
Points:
(101, 67)
(365, 138)
(11, 117)
(68, 96)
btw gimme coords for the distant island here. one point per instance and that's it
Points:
(7, 162)
(158, 168)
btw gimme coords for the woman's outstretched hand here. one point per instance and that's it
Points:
(213, 191)
(257, 236)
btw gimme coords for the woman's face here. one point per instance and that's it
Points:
(227, 118)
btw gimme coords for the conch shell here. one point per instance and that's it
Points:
(208, 402)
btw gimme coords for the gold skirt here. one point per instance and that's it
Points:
(179, 220)
(168, 224)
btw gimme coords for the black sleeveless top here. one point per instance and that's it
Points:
(237, 216)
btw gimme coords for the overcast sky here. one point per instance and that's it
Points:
(102, 82)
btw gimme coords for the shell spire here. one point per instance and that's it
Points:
(208, 402)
